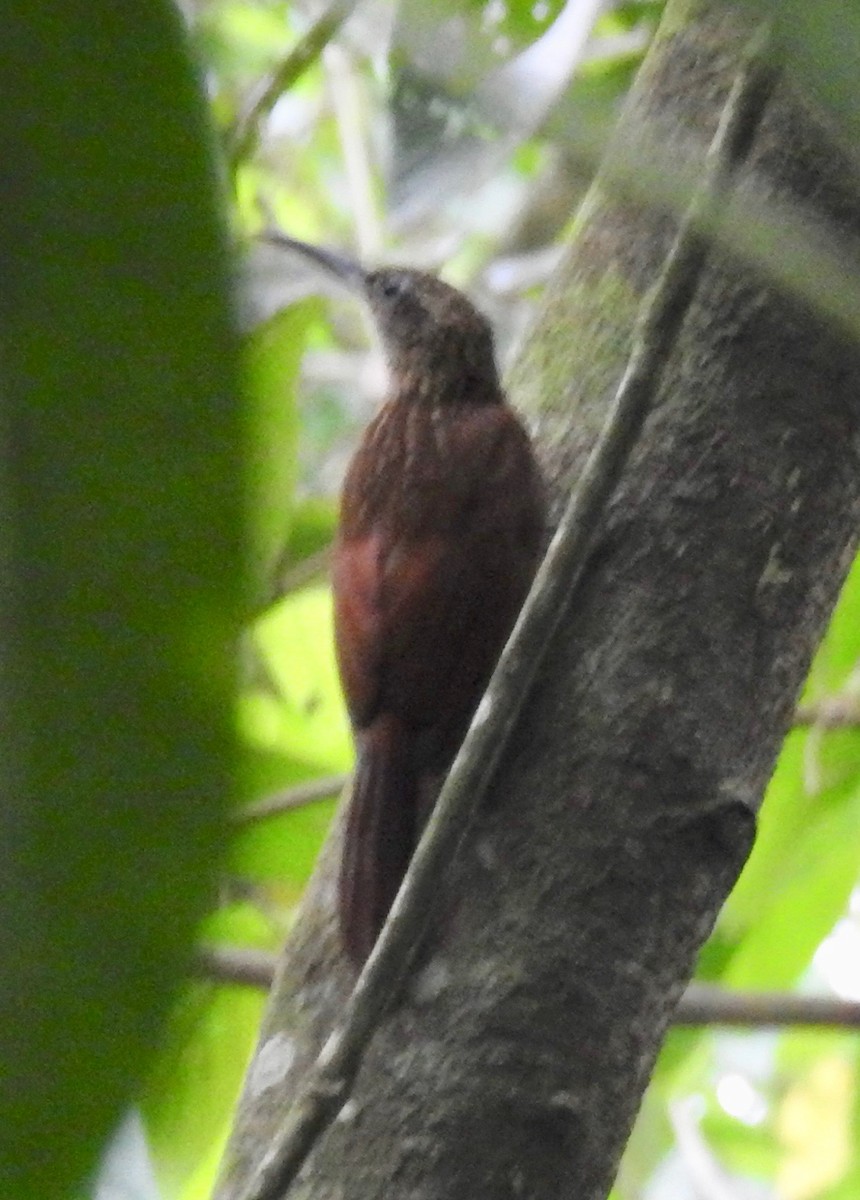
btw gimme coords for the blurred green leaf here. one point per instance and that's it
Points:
(815, 1116)
(848, 1189)
(805, 899)
(628, 16)
(839, 653)
(820, 44)
(121, 512)
(291, 732)
(262, 767)
(300, 723)
(243, 37)
(307, 718)
(600, 84)
(190, 1095)
(800, 1049)
(807, 858)
(273, 354)
(749, 1150)
(191, 1098)
(313, 528)
(521, 21)
(283, 850)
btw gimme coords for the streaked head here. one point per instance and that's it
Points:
(427, 327)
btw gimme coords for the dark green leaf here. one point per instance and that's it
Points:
(121, 508)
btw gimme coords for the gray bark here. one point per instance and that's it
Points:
(624, 807)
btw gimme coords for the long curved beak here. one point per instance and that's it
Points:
(340, 265)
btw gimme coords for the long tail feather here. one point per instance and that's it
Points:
(380, 834)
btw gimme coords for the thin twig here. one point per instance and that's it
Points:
(236, 964)
(704, 1004)
(290, 799)
(383, 974)
(833, 712)
(701, 1004)
(245, 135)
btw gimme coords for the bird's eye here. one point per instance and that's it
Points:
(392, 288)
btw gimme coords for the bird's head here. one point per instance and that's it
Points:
(432, 335)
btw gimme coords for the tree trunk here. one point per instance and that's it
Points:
(623, 809)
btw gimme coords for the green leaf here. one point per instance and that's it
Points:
(313, 528)
(300, 723)
(819, 45)
(191, 1099)
(806, 859)
(749, 1150)
(273, 354)
(807, 891)
(120, 514)
(816, 1118)
(190, 1096)
(839, 653)
(624, 17)
(283, 849)
(306, 716)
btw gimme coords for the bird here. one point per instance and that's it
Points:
(441, 528)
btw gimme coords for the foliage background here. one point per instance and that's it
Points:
(461, 136)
